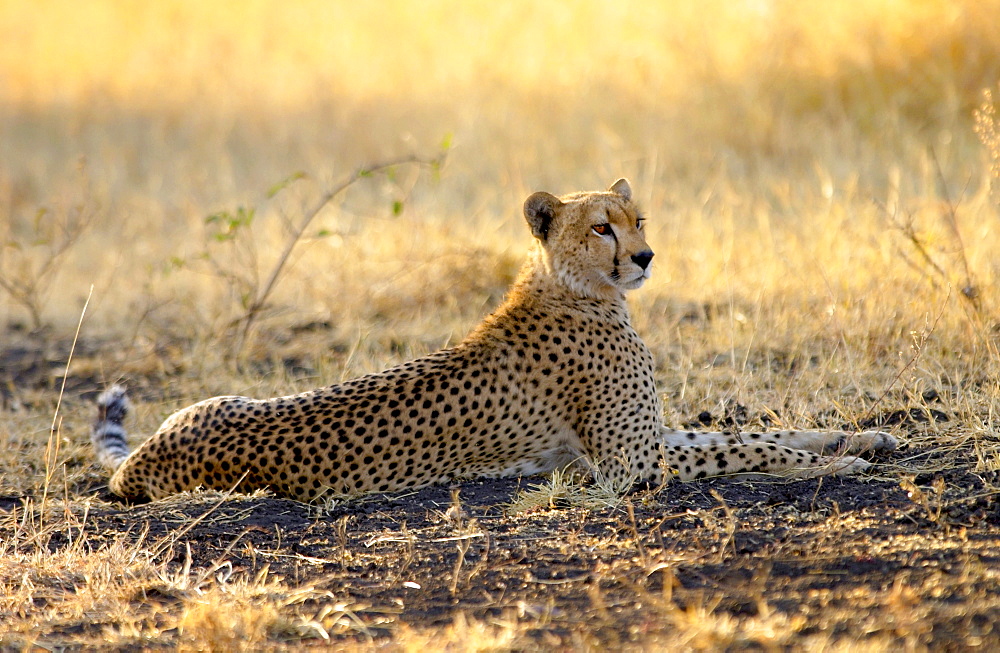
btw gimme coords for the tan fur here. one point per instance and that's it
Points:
(555, 374)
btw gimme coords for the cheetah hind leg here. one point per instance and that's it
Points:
(823, 442)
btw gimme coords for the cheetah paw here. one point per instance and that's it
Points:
(833, 466)
(868, 441)
(845, 465)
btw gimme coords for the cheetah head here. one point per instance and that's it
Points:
(594, 243)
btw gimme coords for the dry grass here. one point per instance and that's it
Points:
(819, 202)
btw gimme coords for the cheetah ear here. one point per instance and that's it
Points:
(622, 188)
(539, 210)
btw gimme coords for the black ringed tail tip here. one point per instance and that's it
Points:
(113, 404)
(108, 435)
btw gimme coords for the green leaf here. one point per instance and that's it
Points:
(284, 183)
(446, 142)
(397, 207)
(245, 216)
(323, 233)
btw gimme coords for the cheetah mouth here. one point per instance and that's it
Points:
(636, 282)
(618, 280)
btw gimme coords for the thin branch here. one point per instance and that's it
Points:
(969, 290)
(918, 351)
(365, 171)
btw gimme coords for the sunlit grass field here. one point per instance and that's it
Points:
(826, 220)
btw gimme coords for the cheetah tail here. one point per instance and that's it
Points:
(108, 434)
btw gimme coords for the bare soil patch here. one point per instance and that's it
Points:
(846, 557)
(851, 558)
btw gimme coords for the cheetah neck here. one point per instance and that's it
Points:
(539, 285)
(542, 273)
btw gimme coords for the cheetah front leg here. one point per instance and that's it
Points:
(692, 462)
(823, 442)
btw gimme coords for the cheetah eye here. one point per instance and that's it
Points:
(602, 229)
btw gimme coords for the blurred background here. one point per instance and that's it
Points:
(796, 159)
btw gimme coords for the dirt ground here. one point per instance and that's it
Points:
(908, 558)
(850, 557)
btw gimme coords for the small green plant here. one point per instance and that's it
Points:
(33, 250)
(232, 230)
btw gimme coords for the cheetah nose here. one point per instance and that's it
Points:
(642, 259)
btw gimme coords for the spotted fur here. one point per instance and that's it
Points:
(556, 374)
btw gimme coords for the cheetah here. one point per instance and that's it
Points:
(556, 374)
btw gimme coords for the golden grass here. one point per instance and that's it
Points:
(819, 203)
